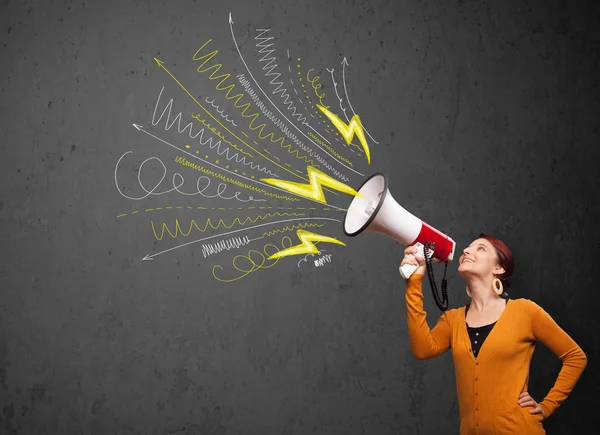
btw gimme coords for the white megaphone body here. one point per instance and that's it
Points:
(375, 210)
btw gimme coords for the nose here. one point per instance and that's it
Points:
(466, 251)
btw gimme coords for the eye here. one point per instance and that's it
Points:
(480, 248)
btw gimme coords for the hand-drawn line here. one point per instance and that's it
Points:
(271, 117)
(331, 149)
(220, 112)
(215, 146)
(185, 162)
(226, 245)
(274, 105)
(323, 260)
(338, 95)
(304, 260)
(325, 125)
(344, 64)
(349, 145)
(196, 208)
(270, 66)
(177, 120)
(223, 78)
(220, 223)
(254, 265)
(162, 65)
(203, 121)
(152, 256)
(316, 87)
(212, 164)
(177, 182)
(291, 228)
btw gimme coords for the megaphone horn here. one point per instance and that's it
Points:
(375, 210)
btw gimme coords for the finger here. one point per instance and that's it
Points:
(524, 398)
(527, 403)
(537, 410)
(524, 394)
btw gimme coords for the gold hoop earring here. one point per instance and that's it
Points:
(498, 287)
(468, 291)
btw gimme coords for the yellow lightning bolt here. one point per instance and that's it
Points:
(349, 130)
(307, 246)
(312, 190)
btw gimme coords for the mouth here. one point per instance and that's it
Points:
(468, 260)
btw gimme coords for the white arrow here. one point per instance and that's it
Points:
(344, 64)
(267, 97)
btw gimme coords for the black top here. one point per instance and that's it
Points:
(478, 334)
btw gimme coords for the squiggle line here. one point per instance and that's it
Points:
(330, 149)
(220, 223)
(274, 105)
(254, 266)
(278, 122)
(167, 109)
(185, 162)
(246, 84)
(304, 260)
(220, 112)
(321, 261)
(205, 59)
(233, 243)
(150, 257)
(270, 66)
(288, 228)
(219, 87)
(189, 207)
(177, 183)
(316, 87)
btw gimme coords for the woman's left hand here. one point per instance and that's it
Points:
(526, 400)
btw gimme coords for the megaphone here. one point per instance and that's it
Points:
(375, 210)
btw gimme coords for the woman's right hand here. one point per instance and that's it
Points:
(410, 257)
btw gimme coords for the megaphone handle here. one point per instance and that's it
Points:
(408, 269)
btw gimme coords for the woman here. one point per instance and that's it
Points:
(492, 341)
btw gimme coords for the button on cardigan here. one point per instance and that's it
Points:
(488, 386)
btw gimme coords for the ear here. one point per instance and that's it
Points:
(499, 270)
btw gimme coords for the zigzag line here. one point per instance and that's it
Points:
(293, 227)
(275, 120)
(316, 139)
(193, 224)
(232, 243)
(270, 66)
(177, 120)
(185, 162)
(237, 97)
(220, 112)
(206, 58)
(279, 123)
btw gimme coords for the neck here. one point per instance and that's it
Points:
(482, 294)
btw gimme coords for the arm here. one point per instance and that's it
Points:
(573, 359)
(425, 343)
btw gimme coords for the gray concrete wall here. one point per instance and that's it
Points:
(484, 116)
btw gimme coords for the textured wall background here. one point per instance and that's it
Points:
(486, 114)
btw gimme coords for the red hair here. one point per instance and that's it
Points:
(505, 258)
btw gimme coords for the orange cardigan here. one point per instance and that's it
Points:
(488, 386)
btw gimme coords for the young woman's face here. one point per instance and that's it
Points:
(479, 259)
